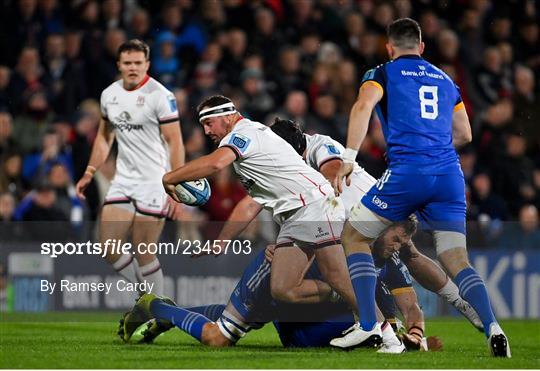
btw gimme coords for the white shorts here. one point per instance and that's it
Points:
(144, 199)
(316, 225)
(367, 222)
(361, 183)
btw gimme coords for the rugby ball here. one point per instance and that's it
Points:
(194, 193)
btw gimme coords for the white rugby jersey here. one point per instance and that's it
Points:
(271, 170)
(321, 149)
(136, 116)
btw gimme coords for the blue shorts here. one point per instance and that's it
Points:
(313, 334)
(297, 325)
(438, 200)
(252, 297)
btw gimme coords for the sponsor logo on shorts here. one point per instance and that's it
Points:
(321, 233)
(153, 203)
(379, 203)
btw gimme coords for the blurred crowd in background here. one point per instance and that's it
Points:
(296, 59)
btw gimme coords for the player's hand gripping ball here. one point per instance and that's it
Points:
(194, 193)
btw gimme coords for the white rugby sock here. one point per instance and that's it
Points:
(450, 292)
(152, 274)
(126, 266)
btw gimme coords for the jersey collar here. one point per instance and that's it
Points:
(408, 56)
(139, 85)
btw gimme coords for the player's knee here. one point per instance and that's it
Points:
(454, 260)
(351, 238)
(283, 293)
(212, 336)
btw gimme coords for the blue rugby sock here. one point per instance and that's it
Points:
(187, 321)
(472, 288)
(212, 311)
(364, 279)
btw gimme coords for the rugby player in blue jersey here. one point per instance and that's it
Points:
(324, 154)
(423, 121)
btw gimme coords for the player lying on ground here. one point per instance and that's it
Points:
(301, 200)
(141, 115)
(325, 155)
(301, 325)
(423, 119)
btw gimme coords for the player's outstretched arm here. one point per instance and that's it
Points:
(370, 94)
(407, 303)
(100, 151)
(330, 169)
(414, 318)
(199, 168)
(461, 128)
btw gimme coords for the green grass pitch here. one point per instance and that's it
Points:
(88, 340)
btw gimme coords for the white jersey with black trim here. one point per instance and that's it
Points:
(136, 116)
(271, 170)
(321, 149)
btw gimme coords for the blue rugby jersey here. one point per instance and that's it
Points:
(416, 115)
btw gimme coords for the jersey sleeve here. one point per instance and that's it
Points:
(166, 109)
(325, 152)
(459, 102)
(397, 277)
(103, 106)
(242, 144)
(375, 76)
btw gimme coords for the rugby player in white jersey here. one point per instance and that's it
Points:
(324, 154)
(276, 177)
(142, 116)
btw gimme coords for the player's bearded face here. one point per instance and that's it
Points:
(390, 242)
(217, 127)
(133, 67)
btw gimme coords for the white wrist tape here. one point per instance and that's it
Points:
(349, 156)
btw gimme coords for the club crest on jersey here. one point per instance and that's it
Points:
(240, 141)
(140, 101)
(369, 75)
(172, 103)
(332, 149)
